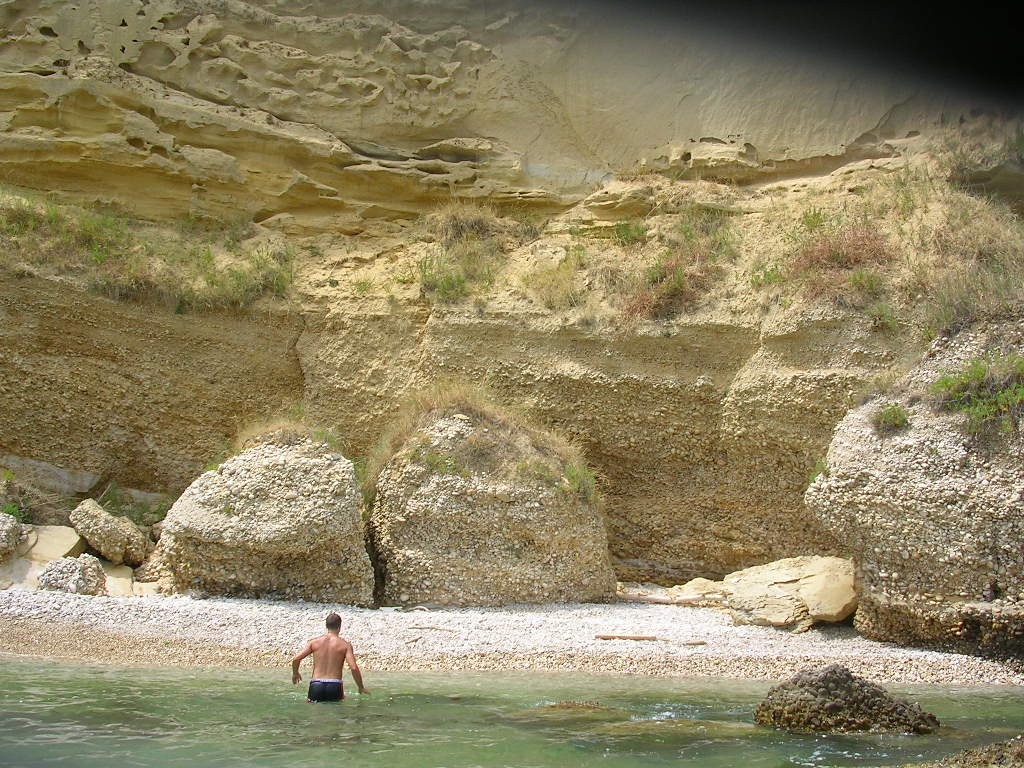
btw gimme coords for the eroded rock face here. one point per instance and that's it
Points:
(82, 575)
(280, 519)
(933, 515)
(474, 512)
(832, 699)
(115, 538)
(334, 116)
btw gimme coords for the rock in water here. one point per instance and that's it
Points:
(82, 575)
(479, 510)
(833, 699)
(116, 538)
(933, 515)
(280, 519)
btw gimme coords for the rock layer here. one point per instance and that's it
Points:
(471, 511)
(281, 519)
(933, 515)
(832, 699)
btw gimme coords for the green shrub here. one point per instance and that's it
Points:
(867, 282)
(890, 418)
(820, 468)
(581, 481)
(883, 317)
(989, 390)
(122, 504)
(764, 275)
(628, 233)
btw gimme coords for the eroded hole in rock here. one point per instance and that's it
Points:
(124, 23)
(61, 63)
(84, 49)
(47, 32)
(137, 143)
(125, 65)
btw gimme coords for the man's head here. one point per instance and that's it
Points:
(334, 622)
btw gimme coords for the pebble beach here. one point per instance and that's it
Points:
(687, 641)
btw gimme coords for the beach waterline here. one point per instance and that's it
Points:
(92, 715)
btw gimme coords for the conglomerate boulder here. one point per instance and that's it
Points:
(81, 575)
(281, 519)
(474, 509)
(932, 514)
(10, 534)
(832, 699)
(117, 539)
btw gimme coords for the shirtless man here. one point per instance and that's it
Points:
(330, 653)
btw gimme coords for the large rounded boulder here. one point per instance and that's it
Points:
(931, 506)
(281, 520)
(475, 508)
(834, 700)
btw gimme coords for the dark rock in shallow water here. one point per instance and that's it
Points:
(1006, 753)
(833, 699)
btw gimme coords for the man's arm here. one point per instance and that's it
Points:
(298, 660)
(350, 659)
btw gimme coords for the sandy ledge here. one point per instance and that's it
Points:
(182, 631)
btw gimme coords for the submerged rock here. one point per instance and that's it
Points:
(1009, 754)
(82, 575)
(116, 538)
(832, 699)
(280, 519)
(479, 510)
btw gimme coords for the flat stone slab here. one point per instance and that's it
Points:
(54, 542)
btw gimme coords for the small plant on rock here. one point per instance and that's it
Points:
(890, 418)
(629, 233)
(989, 390)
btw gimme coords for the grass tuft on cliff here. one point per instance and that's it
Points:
(989, 390)
(129, 260)
(698, 248)
(469, 252)
(487, 449)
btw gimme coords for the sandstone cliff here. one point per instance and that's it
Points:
(338, 128)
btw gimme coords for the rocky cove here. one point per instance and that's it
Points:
(448, 316)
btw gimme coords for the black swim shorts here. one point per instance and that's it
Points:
(325, 690)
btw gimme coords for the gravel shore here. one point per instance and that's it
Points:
(699, 642)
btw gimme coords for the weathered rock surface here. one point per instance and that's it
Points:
(10, 535)
(334, 116)
(82, 575)
(119, 582)
(46, 543)
(280, 519)
(475, 511)
(116, 538)
(832, 699)
(934, 517)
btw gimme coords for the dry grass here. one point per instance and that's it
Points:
(825, 257)
(471, 251)
(699, 246)
(557, 287)
(490, 449)
(129, 260)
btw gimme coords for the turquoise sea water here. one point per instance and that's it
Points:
(95, 716)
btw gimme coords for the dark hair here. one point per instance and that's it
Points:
(333, 621)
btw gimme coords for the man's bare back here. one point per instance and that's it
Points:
(330, 654)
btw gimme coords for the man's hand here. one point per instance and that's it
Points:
(296, 677)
